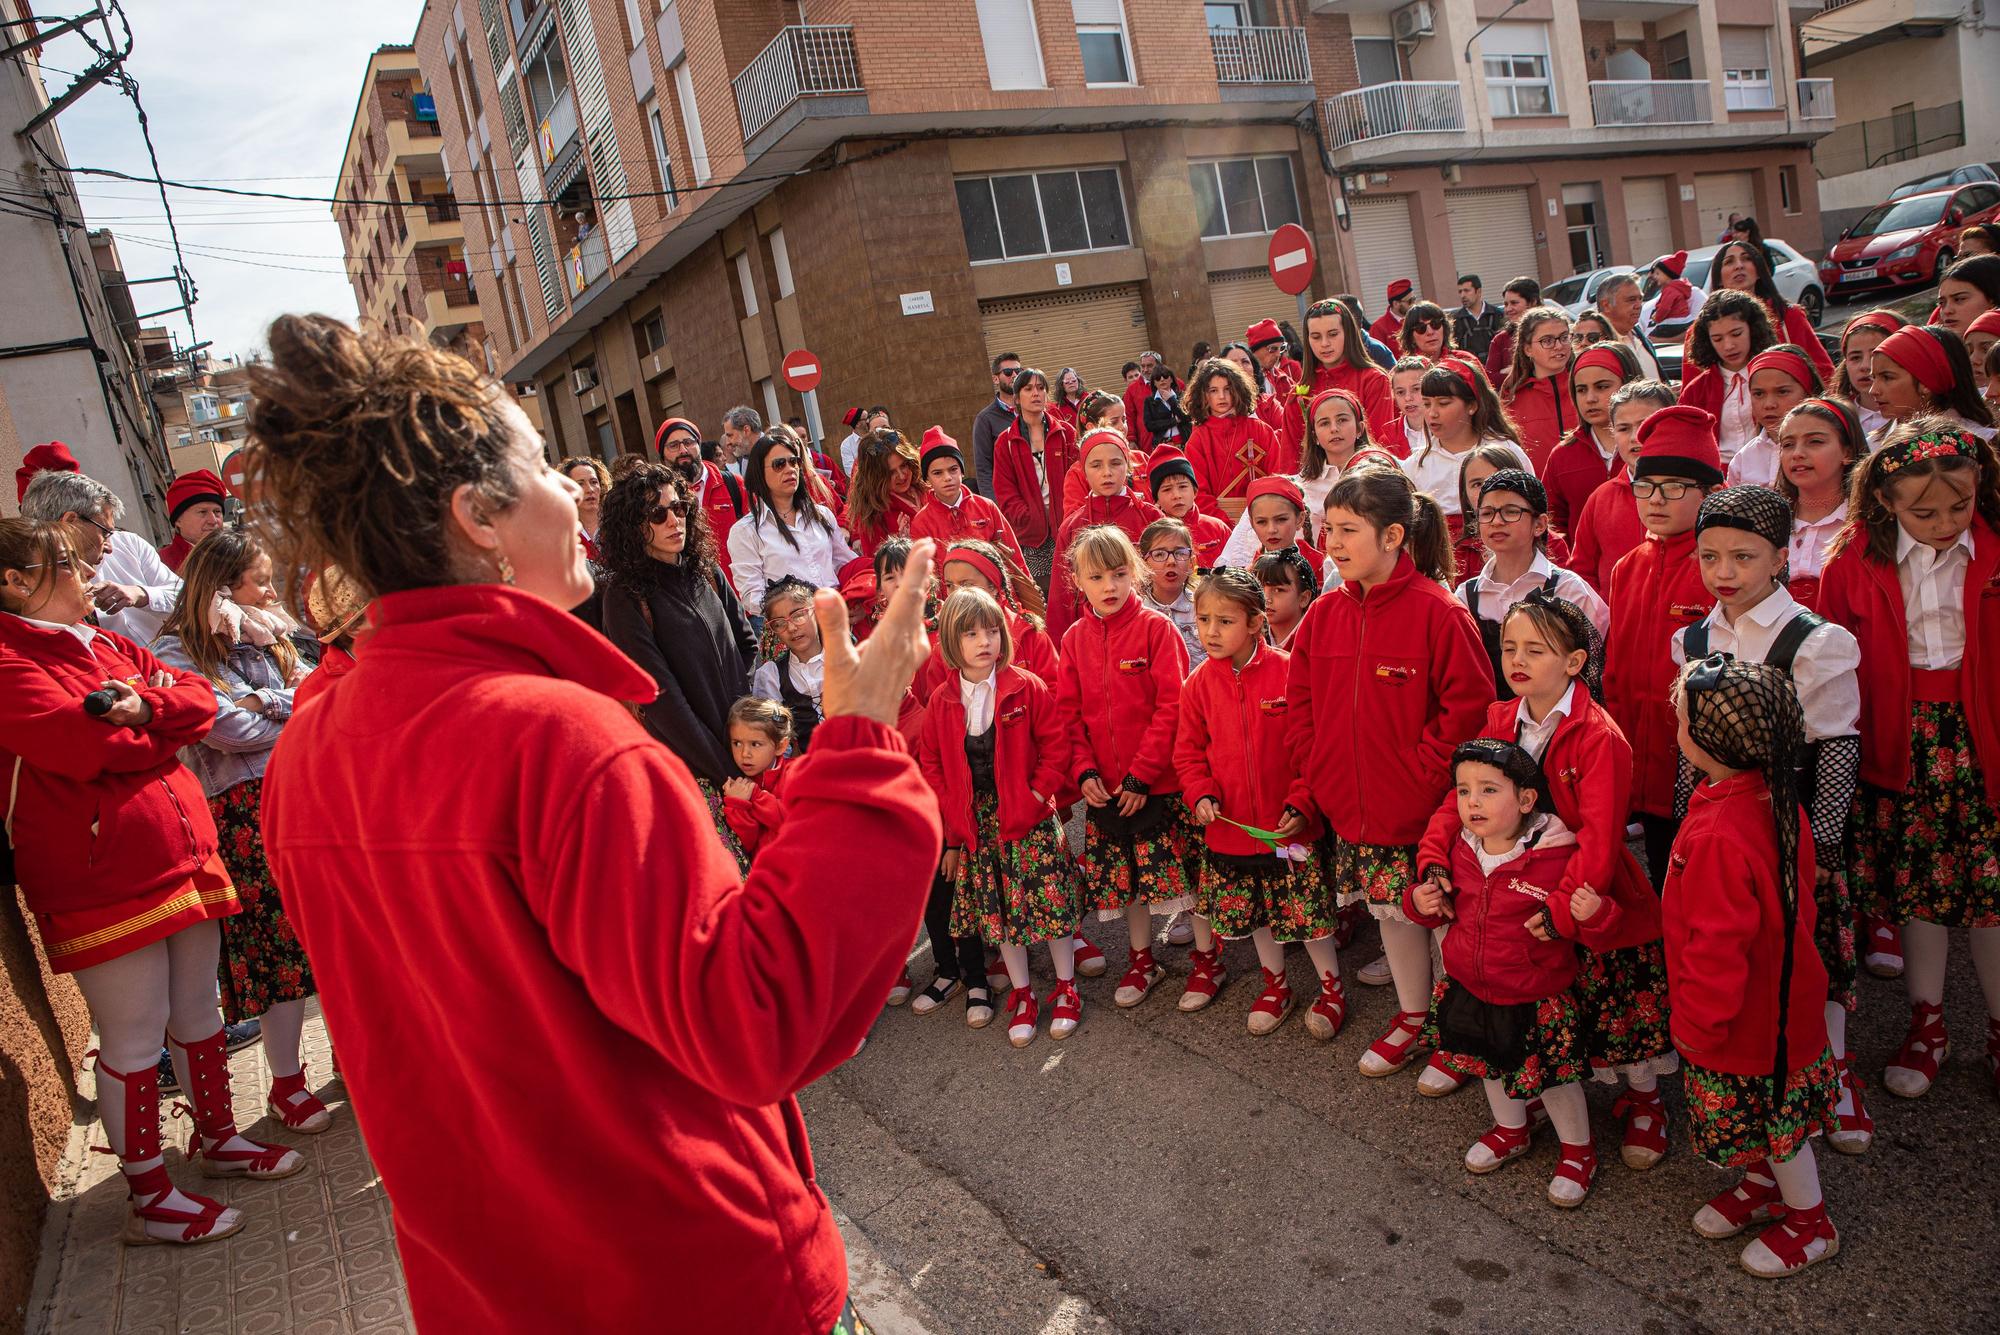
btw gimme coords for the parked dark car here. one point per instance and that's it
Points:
(1906, 242)
(1966, 175)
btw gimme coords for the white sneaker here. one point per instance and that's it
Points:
(1180, 931)
(1376, 974)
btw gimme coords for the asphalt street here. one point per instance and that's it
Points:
(1160, 1172)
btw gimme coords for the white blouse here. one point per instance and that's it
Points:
(1435, 470)
(759, 555)
(1933, 584)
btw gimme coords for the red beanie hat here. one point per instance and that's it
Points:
(671, 425)
(1262, 333)
(1166, 462)
(1271, 485)
(1680, 442)
(851, 418)
(192, 489)
(1400, 288)
(936, 446)
(1673, 263)
(53, 457)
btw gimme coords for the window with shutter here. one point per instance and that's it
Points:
(1100, 34)
(1013, 47)
(1746, 69)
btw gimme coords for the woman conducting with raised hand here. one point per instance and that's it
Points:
(533, 888)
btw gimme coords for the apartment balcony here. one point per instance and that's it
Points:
(556, 132)
(1848, 27)
(586, 262)
(807, 70)
(1390, 123)
(450, 310)
(1625, 102)
(416, 145)
(1816, 100)
(1249, 60)
(432, 224)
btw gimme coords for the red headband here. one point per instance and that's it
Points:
(1919, 354)
(1460, 369)
(1603, 358)
(1793, 365)
(1100, 435)
(1353, 401)
(1275, 486)
(1886, 321)
(1988, 323)
(979, 562)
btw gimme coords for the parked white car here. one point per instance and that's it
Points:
(1796, 276)
(1580, 290)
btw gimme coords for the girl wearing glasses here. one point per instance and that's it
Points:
(1536, 389)
(786, 532)
(1513, 525)
(1167, 587)
(794, 675)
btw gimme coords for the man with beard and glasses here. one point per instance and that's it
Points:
(717, 492)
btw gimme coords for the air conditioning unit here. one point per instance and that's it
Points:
(583, 379)
(1413, 21)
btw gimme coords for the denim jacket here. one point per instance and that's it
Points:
(237, 747)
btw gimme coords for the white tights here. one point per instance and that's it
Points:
(1567, 1105)
(1408, 947)
(1062, 954)
(1926, 948)
(1271, 953)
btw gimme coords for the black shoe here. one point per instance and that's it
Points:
(236, 1037)
(978, 1007)
(169, 1082)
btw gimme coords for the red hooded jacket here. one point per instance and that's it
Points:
(1231, 746)
(1028, 753)
(1608, 528)
(1119, 687)
(1544, 414)
(1864, 596)
(1033, 508)
(1126, 511)
(1229, 453)
(100, 814)
(1656, 589)
(1571, 474)
(754, 817)
(1487, 947)
(1398, 676)
(1725, 936)
(529, 896)
(718, 501)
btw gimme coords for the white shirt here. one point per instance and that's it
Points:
(977, 697)
(130, 559)
(1181, 613)
(1435, 470)
(83, 630)
(1756, 462)
(1243, 546)
(1933, 585)
(1495, 598)
(1534, 737)
(1545, 830)
(1810, 538)
(850, 450)
(759, 554)
(1735, 425)
(1825, 671)
(1872, 423)
(808, 676)
(1649, 365)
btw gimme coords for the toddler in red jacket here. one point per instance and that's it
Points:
(760, 737)
(1748, 986)
(1505, 1010)
(993, 749)
(1119, 688)
(1235, 771)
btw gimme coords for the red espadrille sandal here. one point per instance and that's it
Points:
(1024, 1017)
(1496, 1147)
(294, 1105)
(223, 1151)
(1090, 961)
(153, 1222)
(1395, 1049)
(1853, 1132)
(1883, 955)
(1206, 975)
(1750, 1201)
(1644, 1113)
(1802, 1238)
(1273, 1004)
(1574, 1174)
(1924, 1050)
(1329, 1009)
(1065, 1009)
(1140, 976)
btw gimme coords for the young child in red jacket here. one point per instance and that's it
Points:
(1917, 580)
(993, 751)
(972, 564)
(760, 738)
(1588, 457)
(1277, 510)
(1387, 667)
(1177, 494)
(1749, 989)
(1289, 589)
(1655, 590)
(1608, 525)
(1230, 446)
(1505, 1011)
(1235, 770)
(1107, 471)
(954, 510)
(1119, 688)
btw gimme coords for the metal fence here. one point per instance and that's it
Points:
(804, 60)
(1260, 55)
(1815, 99)
(1650, 102)
(1894, 138)
(1394, 108)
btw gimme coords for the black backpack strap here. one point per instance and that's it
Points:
(734, 487)
(1694, 641)
(1786, 647)
(1549, 584)
(1468, 593)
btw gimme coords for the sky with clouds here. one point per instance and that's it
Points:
(255, 94)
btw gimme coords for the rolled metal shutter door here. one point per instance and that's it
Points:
(1096, 330)
(1385, 249)
(1492, 235)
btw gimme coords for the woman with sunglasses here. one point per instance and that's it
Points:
(1590, 328)
(1745, 266)
(1426, 332)
(786, 532)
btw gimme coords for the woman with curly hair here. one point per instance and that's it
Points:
(885, 494)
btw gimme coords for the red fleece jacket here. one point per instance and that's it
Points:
(1033, 507)
(1655, 590)
(1028, 754)
(1487, 946)
(1126, 511)
(753, 818)
(1210, 536)
(1229, 453)
(975, 517)
(1231, 746)
(1574, 471)
(1544, 414)
(1608, 528)
(539, 890)
(1370, 384)
(101, 814)
(1119, 686)
(1725, 936)
(1383, 686)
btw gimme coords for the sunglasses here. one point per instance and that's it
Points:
(783, 461)
(1426, 324)
(658, 514)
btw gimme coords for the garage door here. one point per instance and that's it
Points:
(1648, 230)
(1242, 297)
(1096, 330)
(1716, 196)
(1385, 248)
(1492, 235)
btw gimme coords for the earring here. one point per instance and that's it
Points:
(506, 567)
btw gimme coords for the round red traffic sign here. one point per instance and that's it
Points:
(235, 473)
(801, 370)
(1291, 259)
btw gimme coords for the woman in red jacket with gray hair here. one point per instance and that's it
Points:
(116, 852)
(539, 888)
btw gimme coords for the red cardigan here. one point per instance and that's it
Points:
(1370, 384)
(720, 507)
(1608, 528)
(1231, 746)
(1229, 453)
(1489, 950)
(1028, 752)
(1864, 596)
(101, 814)
(1119, 688)
(753, 818)
(1545, 414)
(537, 892)
(975, 517)
(1128, 512)
(1033, 508)
(1724, 929)
(1398, 676)
(1571, 474)
(1656, 589)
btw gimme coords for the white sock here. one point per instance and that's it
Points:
(1325, 957)
(1016, 960)
(1985, 944)
(1798, 1178)
(1836, 1038)
(1270, 952)
(1408, 947)
(1569, 1113)
(284, 1026)
(1062, 953)
(1509, 1112)
(1926, 948)
(1204, 935)
(1642, 1081)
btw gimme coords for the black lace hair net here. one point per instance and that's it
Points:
(1753, 509)
(1521, 769)
(1582, 631)
(1522, 483)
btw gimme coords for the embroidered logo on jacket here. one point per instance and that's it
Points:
(1276, 706)
(1134, 664)
(1395, 672)
(1690, 612)
(1521, 887)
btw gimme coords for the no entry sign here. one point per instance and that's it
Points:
(1291, 259)
(801, 369)
(234, 475)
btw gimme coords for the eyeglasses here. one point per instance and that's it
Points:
(797, 617)
(782, 461)
(94, 524)
(658, 514)
(1646, 488)
(1502, 514)
(62, 563)
(1589, 336)
(1550, 342)
(1160, 556)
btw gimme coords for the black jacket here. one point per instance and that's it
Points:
(699, 650)
(1475, 333)
(1167, 422)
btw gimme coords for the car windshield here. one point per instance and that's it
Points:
(1697, 273)
(1568, 290)
(1901, 215)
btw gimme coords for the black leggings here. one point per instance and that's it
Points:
(960, 957)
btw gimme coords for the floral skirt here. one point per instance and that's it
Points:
(1734, 1123)
(1011, 893)
(1160, 868)
(713, 796)
(263, 963)
(1833, 934)
(1623, 997)
(1931, 852)
(1372, 874)
(1555, 1048)
(1293, 899)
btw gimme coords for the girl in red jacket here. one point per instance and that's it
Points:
(1289, 589)
(1230, 446)
(1854, 378)
(1924, 369)
(1388, 666)
(972, 564)
(1277, 513)
(1780, 380)
(1536, 390)
(1337, 358)
(1588, 456)
(1119, 687)
(116, 852)
(1177, 493)
(1407, 433)
(1235, 771)
(954, 510)
(1609, 526)
(1819, 444)
(760, 737)
(1107, 468)
(1505, 1010)
(992, 749)
(1731, 330)
(1915, 580)
(1748, 985)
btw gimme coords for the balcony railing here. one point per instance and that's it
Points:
(804, 60)
(1394, 108)
(558, 127)
(1650, 102)
(1860, 145)
(1260, 55)
(461, 294)
(1815, 99)
(587, 262)
(441, 211)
